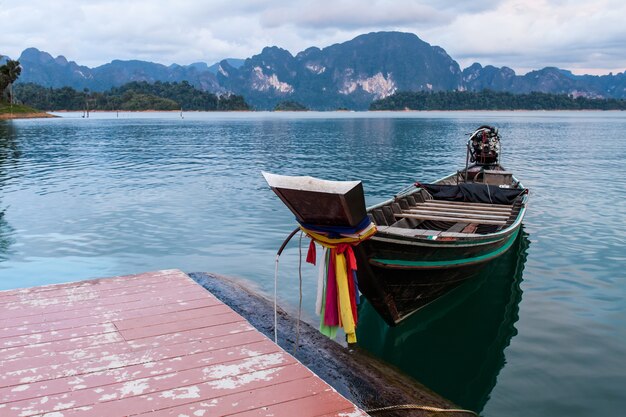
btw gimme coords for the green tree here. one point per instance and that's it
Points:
(290, 105)
(9, 73)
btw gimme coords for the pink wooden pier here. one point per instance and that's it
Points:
(155, 343)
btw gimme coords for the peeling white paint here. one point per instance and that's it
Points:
(199, 413)
(16, 355)
(251, 352)
(213, 403)
(117, 362)
(108, 397)
(76, 381)
(160, 377)
(134, 387)
(242, 380)
(20, 388)
(182, 393)
(19, 372)
(53, 414)
(248, 365)
(241, 330)
(62, 406)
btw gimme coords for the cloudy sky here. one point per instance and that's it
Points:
(585, 36)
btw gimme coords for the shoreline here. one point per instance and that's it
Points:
(9, 116)
(49, 115)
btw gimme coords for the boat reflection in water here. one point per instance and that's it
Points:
(455, 346)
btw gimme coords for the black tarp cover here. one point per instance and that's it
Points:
(473, 193)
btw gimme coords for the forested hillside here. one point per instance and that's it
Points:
(491, 100)
(131, 96)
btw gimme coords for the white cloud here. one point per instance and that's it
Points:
(584, 36)
(576, 35)
(353, 14)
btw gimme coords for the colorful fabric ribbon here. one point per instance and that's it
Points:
(337, 293)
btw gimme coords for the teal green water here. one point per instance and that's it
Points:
(541, 333)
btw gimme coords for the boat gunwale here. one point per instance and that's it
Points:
(436, 243)
(447, 264)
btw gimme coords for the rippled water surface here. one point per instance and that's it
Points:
(541, 333)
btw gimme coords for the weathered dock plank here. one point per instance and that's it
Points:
(154, 343)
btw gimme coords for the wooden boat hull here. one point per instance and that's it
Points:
(398, 280)
(482, 313)
(405, 266)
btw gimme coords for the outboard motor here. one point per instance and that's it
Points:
(484, 146)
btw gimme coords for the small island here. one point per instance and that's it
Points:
(9, 109)
(290, 105)
(18, 111)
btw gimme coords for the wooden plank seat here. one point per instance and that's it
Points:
(464, 203)
(459, 214)
(452, 218)
(463, 206)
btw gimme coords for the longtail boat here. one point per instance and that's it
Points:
(429, 238)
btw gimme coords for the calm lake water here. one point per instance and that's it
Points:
(541, 333)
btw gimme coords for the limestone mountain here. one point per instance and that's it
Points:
(547, 80)
(41, 68)
(350, 74)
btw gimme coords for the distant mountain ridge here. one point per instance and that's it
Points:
(41, 68)
(346, 75)
(547, 80)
